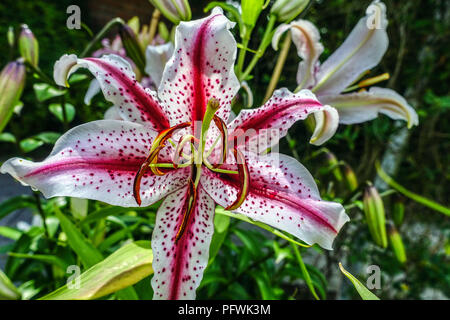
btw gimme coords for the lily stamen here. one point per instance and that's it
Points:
(368, 82)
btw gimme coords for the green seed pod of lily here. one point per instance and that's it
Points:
(375, 216)
(398, 212)
(132, 47)
(174, 10)
(397, 244)
(28, 46)
(12, 81)
(350, 178)
(287, 10)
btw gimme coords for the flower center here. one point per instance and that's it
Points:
(190, 152)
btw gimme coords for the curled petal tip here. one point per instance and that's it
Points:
(327, 121)
(63, 69)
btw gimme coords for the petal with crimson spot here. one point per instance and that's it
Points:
(179, 265)
(119, 86)
(201, 68)
(262, 128)
(98, 161)
(283, 194)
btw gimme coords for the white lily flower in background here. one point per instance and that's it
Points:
(362, 50)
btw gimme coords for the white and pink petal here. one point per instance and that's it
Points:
(361, 51)
(366, 105)
(179, 266)
(119, 86)
(262, 128)
(282, 194)
(98, 160)
(201, 68)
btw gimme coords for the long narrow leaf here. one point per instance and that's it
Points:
(88, 254)
(414, 196)
(305, 272)
(123, 268)
(362, 290)
(7, 289)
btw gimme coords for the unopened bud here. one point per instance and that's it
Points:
(397, 244)
(10, 36)
(174, 10)
(12, 81)
(333, 165)
(350, 177)
(287, 10)
(375, 215)
(132, 47)
(28, 46)
(398, 212)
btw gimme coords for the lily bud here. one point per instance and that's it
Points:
(10, 36)
(174, 10)
(287, 10)
(132, 47)
(398, 212)
(397, 244)
(333, 164)
(12, 81)
(350, 177)
(375, 216)
(28, 46)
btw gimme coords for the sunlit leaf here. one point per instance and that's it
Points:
(123, 268)
(362, 290)
(57, 110)
(88, 254)
(45, 91)
(7, 289)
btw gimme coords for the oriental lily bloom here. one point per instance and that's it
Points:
(361, 51)
(133, 162)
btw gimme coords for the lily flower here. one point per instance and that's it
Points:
(333, 79)
(176, 145)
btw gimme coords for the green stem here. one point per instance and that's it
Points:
(243, 51)
(101, 35)
(262, 47)
(64, 113)
(42, 76)
(278, 67)
(304, 271)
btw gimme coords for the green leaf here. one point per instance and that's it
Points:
(117, 236)
(79, 207)
(57, 110)
(10, 233)
(45, 91)
(48, 137)
(221, 224)
(414, 196)
(7, 289)
(88, 254)
(46, 258)
(362, 290)
(30, 144)
(123, 268)
(16, 203)
(7, 137)
(305, 272)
